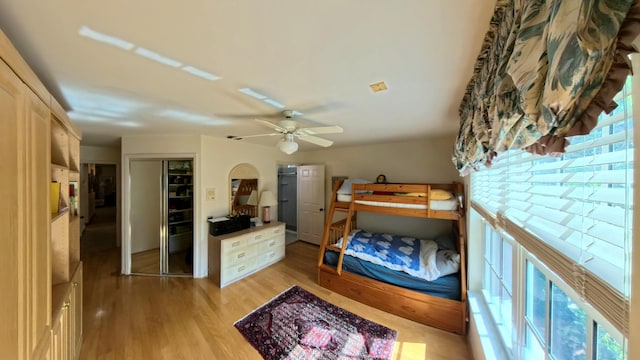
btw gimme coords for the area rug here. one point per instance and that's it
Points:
(298, 325)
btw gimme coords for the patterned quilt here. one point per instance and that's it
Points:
(414, 256)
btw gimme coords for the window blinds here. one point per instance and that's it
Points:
(573, 212)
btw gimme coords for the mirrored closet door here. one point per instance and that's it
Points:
(161, 217)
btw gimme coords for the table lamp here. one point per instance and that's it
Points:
(253, 201)
(267, 199)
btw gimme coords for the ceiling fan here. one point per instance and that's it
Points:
(289, 131)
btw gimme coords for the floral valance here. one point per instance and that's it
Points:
(546, 71)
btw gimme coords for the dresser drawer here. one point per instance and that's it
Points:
(239, 256)
(271, 244)
(276, 231)
(236, 271)
(257, 237)
(273, 254)
(233, 244)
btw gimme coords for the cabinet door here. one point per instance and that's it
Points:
(75, 313)
(37, 255)
(60, 334)
(12, 216)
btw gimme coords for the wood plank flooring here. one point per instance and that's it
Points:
(148, 262)
(141, 317)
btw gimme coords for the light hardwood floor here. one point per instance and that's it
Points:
(141, 317)
(148, 262)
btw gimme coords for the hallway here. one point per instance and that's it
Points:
(100, 233)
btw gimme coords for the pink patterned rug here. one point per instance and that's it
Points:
(298, 325)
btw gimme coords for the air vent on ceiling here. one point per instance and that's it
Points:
(379, 86)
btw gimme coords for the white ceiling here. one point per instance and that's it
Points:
(317, 57)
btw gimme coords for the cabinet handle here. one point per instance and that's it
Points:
(74, 284)
(241, 255)
(272, 243)
(241, 268)
(258, 237)
(66, 304)
(237, 243)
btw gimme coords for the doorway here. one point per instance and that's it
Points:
(161, 216)
(98, 210)
(288, 200)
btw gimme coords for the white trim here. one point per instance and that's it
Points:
(199, 243)
(484, 338)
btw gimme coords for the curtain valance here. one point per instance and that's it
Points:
(546, 70)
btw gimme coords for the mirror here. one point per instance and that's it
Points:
(243, 179)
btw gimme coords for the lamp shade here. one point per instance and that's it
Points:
(253, 198)
(267, 199)
(288, 145)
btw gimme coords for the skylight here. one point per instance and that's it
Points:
(104, 38)
(152, 55)
(274, 103)
(253, 94)
(200, 73)
(149, 54)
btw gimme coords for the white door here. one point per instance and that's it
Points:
(311, 203)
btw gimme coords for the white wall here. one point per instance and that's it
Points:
(99, 155)
(418, 161)
(214, 159)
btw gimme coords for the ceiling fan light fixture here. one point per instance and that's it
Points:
(287, 145)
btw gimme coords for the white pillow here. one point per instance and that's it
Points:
(447, 262)
(345, 189)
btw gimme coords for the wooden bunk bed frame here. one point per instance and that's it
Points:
(442, 313)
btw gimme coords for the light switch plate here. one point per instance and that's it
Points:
(211, 193)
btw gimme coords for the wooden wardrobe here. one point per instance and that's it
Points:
(40, 269)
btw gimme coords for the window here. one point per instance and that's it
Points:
(549, 307)
(497, 283)
(563, 224)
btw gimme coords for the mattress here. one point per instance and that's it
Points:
(447, 287)
(449, 205)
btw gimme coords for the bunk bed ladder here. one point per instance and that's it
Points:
(328, 223)
(345, 235)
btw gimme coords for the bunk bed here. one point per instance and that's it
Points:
(441, 303)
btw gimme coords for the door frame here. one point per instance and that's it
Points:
(198, 243)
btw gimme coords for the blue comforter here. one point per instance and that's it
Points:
(401, 253)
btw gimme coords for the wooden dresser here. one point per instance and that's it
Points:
(236, 255)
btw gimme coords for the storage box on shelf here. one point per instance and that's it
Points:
(236, 255)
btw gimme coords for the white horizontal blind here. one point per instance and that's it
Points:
(573, 212)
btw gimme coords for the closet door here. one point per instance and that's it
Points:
(25, 305)
(12, 215)
(37, 260)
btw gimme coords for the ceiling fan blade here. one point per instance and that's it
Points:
(234, 137)
(315, 140)
(322, 130)
(272, 125)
